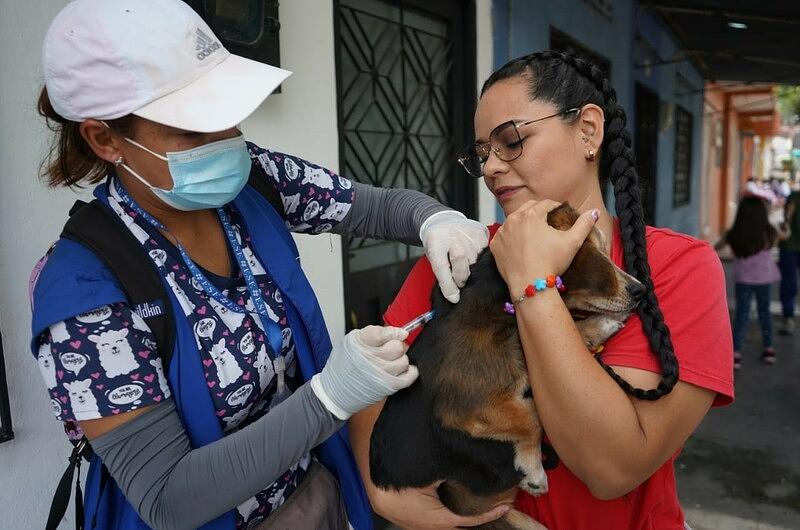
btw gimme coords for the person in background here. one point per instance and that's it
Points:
(751, 239)
(789, 261)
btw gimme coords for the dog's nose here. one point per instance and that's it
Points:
(635, 290)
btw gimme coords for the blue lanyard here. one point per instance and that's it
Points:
(273, 332)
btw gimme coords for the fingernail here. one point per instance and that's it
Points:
(595, 214)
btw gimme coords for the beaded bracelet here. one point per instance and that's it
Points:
(530, 291)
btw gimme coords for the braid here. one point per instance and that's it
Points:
(618, 163)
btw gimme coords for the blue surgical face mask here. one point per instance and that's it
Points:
(207, 176)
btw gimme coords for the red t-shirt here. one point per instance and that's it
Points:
(690, 286)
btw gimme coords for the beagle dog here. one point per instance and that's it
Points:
(470, 419)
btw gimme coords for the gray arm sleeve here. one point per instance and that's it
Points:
(173, 486)
(394, 214)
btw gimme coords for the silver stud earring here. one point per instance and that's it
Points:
(119, 161)
(590, 155)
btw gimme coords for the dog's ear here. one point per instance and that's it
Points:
(562, 217)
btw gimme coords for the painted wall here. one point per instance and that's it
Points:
(523, 26)
(301, 120)
(676, 84)
(713, 138)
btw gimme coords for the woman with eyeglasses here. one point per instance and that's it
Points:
(549, 130)
(243, 428)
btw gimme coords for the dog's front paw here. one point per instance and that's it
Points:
(535, 485)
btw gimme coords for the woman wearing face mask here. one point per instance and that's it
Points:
(549, 130)
(145, 103)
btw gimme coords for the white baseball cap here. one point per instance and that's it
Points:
(157, 59)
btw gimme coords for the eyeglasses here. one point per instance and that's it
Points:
(504, 141)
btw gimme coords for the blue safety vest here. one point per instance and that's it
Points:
(75, 281)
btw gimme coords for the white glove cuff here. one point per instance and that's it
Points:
(319, 391)
(438, 215)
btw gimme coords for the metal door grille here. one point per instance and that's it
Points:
(406, 94)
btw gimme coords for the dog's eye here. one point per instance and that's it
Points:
(579, 314)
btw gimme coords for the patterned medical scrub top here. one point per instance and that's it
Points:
(104, 362)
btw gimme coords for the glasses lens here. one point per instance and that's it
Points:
(506, 142)
(472, 161)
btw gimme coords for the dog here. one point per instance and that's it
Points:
(470, 419)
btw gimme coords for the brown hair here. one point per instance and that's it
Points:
(70, 161)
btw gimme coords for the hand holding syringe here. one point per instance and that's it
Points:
(421, 320)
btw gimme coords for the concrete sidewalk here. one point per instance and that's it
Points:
(741, 469)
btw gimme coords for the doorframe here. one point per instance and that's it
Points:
(463, 123)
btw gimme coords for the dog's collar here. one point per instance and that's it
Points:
(597, 349)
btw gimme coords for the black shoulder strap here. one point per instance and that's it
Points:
(99, 229)
(258, 183)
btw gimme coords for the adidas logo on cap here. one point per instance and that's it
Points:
(205, 45)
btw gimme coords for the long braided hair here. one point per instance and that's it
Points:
(567, 81)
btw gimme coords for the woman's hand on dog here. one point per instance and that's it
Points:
(421, 509)
(526, 247)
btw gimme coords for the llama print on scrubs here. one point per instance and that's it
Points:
(162, 380)
(186, 304)
(233, 421)
(247, 507)
(116, 355)
(228, 369)
(255, 265)
(137, 231)
(231, 319)
(291, 169)
(58, 332)
(264, 366)
(246, 344)
(158, 256)
(47, 366)
(270, 168)
(317, 177)
(251, 308)
(336, 211)
(82, 400)
(311, 211)
(138, 322)
(290, 203)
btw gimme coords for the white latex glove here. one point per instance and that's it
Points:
(452, 243)
(371, 364)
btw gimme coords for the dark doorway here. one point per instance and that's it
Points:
(646, 148)
(406, 94)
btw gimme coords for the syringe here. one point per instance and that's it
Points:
(421, 320)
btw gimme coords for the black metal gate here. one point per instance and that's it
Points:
(406, 93)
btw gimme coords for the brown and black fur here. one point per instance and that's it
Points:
(470, 419)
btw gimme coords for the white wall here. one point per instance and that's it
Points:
(31, 464)
(487, 210)
(301, 120)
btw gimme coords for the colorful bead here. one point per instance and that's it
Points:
(530, 290)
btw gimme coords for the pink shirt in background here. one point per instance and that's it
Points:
(758, 269)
